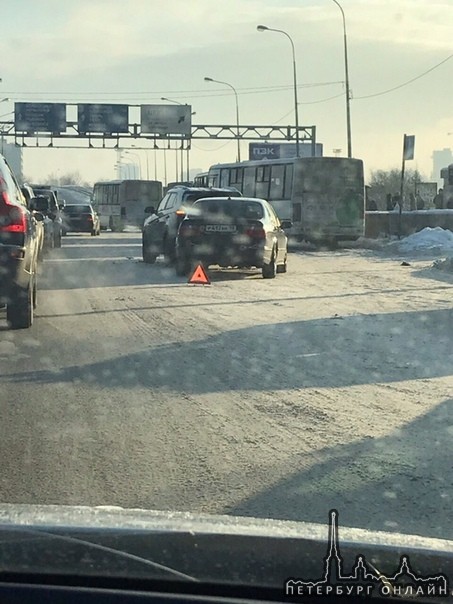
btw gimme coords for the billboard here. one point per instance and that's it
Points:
(282, 150)
(166, 119)
(106, 119)
(40, 117)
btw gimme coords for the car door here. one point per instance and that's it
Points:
(278, 234)
(156, 228)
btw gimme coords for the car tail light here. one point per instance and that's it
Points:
(13, 218)
(180, 213)
(189, 230)
(256, 232)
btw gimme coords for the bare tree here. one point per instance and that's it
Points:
(388, 182)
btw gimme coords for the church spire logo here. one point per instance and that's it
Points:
(364, 578)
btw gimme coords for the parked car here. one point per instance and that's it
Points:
(19, 249)
(54, 212)
(44, 224)
(161, 227)
(81, 218)
(228, 232)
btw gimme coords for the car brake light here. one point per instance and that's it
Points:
(12, 217)
(256, 232)
(180, 213)
(189, 230)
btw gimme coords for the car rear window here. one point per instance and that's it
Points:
(235, 209)
(78, 209)
(190, 197)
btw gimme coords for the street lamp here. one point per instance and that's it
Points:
(139, 162)
(164, 98)
(346, 76)
(237, 110)
(296, 105)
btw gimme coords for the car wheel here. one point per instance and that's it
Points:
(169, 251)
(282, 268)
(269, 270)
(148, 256)
(19, 310)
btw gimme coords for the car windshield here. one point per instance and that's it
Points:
(298, 363)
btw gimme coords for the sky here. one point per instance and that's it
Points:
(135, 52)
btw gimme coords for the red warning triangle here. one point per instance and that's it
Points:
(199, 276)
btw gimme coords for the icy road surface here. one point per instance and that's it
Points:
(330, 386)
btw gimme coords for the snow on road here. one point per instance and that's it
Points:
(330, 386)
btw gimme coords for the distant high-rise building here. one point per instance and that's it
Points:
(13, 156)
(441, 159)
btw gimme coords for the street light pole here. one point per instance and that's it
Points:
(237, 111)
(296, 104)
(346, 75)
(139, 161)
(163, 98)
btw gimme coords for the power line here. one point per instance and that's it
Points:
(369, 96)
(212, 92)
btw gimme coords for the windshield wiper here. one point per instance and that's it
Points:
(106, 549)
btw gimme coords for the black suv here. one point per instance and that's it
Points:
(161, 228)
(19, 249)
(54, 212)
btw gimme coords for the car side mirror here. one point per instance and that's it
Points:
(62, 205)
(150, 210)
(38, 216)
(286, 224)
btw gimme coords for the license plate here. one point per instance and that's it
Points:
(220, 228)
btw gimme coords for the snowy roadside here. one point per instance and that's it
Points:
(434, 244)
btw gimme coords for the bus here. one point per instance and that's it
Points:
(323, 197)
(201, 180)
(122, 203)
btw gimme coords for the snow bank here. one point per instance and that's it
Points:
(429, 239)
(444, 265)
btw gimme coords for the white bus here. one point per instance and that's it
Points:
(122, 203)
(324, 197)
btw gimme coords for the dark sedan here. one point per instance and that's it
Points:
(232, 232)
(81, 218)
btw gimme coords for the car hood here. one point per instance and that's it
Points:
(112, 541)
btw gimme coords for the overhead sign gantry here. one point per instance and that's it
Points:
(114, 126)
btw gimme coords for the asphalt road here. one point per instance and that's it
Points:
(330, 386)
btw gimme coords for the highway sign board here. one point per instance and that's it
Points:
(166, 119)
(40, 117)
(107, 119)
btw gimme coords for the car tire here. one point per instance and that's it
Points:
(269, 270)
(19, 310)
(169, 251)
(148, 256)
(282, 268)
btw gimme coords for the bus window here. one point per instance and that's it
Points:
(288, 188)
(248, 189)
(263, 181)
(277, 179)
(225, 178)
(236, 178)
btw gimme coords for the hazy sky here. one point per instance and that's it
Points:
(137, 51)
